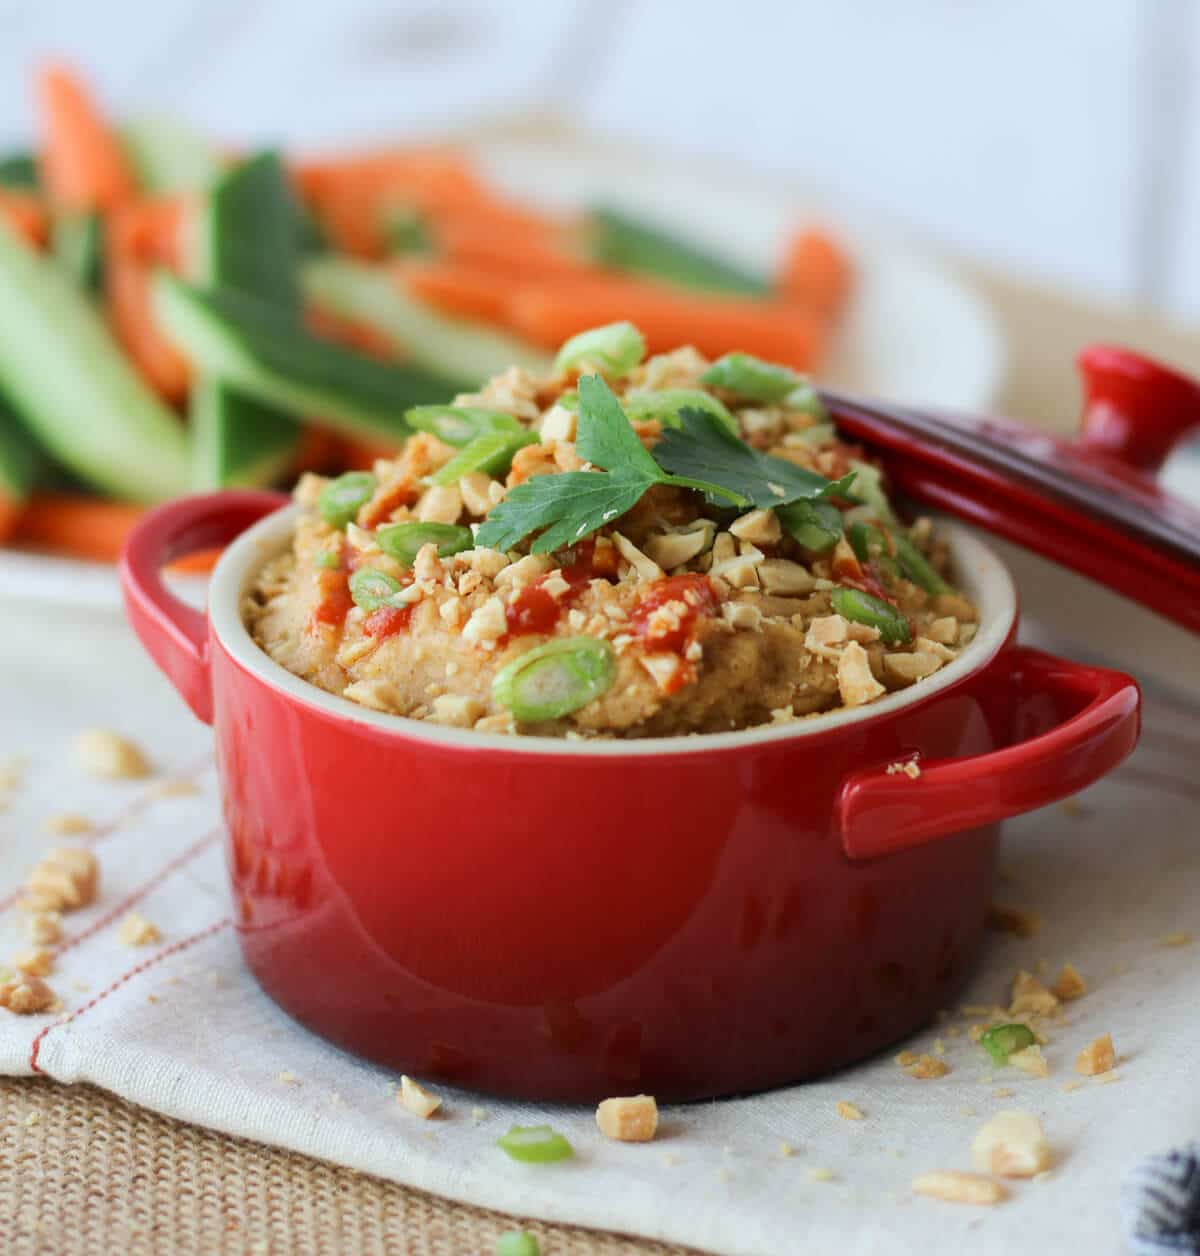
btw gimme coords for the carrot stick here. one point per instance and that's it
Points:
(11, 510)
(26, 215)
(511, 254)
(127, 283)
(358, 452)
(83, 527)
(550, 313)
(456, 289)
(345, 331)
(816, 271)
(90, 528)
(151, 230)
(82, 165)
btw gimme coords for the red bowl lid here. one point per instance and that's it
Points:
(1091, 503)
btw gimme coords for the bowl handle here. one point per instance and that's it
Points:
(174, 634)
(1097, 719)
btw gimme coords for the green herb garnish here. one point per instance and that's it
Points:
(703, 448)
(616, 349)
(1001, 1041)
(863, 608)
(534, 1144)
(572, 504)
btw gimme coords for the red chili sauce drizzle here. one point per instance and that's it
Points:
(387, 621)
(848, 570)
(695, 592)
(535, 610)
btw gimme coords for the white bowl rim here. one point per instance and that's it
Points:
(984, 577)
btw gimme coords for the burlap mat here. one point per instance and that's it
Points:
(83, 1173)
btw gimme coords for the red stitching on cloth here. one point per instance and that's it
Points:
(156, 880)
(165, 953)
(128, 812)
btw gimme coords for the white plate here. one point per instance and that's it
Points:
(913, 332)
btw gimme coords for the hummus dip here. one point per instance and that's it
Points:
(672, 612)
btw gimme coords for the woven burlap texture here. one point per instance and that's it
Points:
(83, 1173)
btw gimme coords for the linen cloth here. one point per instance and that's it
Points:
(181, 1028)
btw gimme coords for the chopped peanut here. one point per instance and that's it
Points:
(101, 752)
(1011, 1144)
(1030, 997)
(1097, 1057)
(905, 1058)
(35, 962)
(632, 1120)
(67, 824)
(417, 1100)
(959, 1188)
(760, 526)
(26, 995)
(856, 682)
(68, 877)
(1014, 920)
(136, 930)
(926, 1067)
(1031, 1061)
(849, 1111)
(45, 928)
(1070, 984)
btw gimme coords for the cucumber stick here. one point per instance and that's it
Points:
(168, 156)
(74, 389)
(77, 243)
(463, 352)
(19, 170)
(618, 239)
(252, 345)
(18, 460)
(245, 240)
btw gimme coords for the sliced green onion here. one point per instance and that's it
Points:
(665, 405)
(863, 608)
(459, 425)
(492, 453)
(807, 400)
(331, 560)
(554, 679)
(517, 1243)
(918, 568)
(402, 541)
(569, 400)
(341, 499)
(868, 489)
(406, 231)
(817, 435)
(534, 1144)
(371, 588)
(870, 544)
(1001, 1041)
(615, 349)
(752, 378)
(815, 525)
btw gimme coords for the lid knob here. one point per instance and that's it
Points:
(1134, 408)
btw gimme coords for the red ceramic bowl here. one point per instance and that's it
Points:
(687, 917)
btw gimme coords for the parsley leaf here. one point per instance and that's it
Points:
(703, 448)
(571, 504)
(606, 437)
(568, 505)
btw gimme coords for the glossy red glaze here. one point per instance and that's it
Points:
(568, 922)
(1134, 408)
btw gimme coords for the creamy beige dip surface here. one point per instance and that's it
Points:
(688, 618)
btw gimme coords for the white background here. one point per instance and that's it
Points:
(1060, 140)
